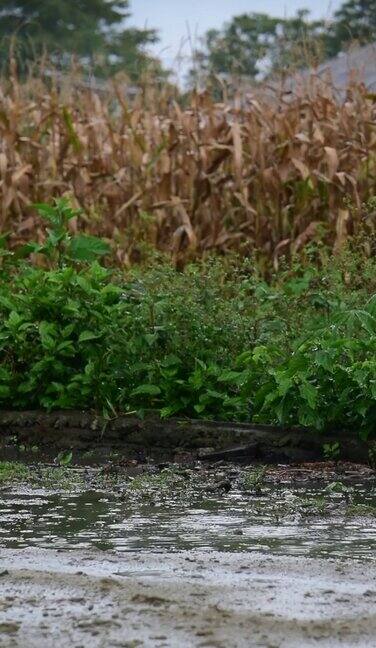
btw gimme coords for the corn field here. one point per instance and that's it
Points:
(263, 173)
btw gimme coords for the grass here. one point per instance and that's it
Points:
(166, 481)
(253, 479)
(60, 478)
(11, 472)
(264, 497)
(361, 510)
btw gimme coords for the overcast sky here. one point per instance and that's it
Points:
(176, 19)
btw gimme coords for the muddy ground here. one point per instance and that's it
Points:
(78, 599)
(277, 557)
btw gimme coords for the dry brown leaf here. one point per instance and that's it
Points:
(17, 175)
(238, 151)
(306, 236)
(3, 163)
(341, 229)
(332, 160)
(301, 167)
(220, 174)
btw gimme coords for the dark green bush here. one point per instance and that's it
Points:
(216, 341)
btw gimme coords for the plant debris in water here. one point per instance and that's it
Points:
(281, 489)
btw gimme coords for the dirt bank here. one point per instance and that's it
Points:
(76, 599)
(83, 431)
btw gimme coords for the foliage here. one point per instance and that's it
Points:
(59, 245)
(354, 20)
(332, 450)
(12, 471)
(90, 29)
(167, 480)
(253, 479)
(64, 458)
(215, 341)
(254, 44)
(153, 176)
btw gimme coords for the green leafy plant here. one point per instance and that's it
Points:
(64, 458)
(13, 471)
(338, 488)
(215, 341)
(253, 480)
(60, 245)
(332, 450)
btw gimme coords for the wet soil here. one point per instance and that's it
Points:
(85, 431)
(188, 599)
(188, 554)
(300, 520)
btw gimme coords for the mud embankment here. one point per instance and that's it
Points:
(209, 439)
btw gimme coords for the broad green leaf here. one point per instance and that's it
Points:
(46, 211)
(146, 390)
(64, 458)
(284, 384)
(7, 303)
(4, 391)
(309, 393)
(15, 320)
(84, 284)
(66, 348)
(67, 330)
(165, 412)
(87, 248)
(47, 332)
(88, 335)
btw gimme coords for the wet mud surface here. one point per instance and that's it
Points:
(187, 555)
(50, 598)
(284, 522)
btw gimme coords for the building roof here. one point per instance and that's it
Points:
(358, 63)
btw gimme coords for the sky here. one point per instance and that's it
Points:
(181, 22)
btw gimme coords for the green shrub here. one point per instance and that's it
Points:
(216, 341)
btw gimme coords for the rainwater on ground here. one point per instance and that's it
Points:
(167, 557)
(304, 520)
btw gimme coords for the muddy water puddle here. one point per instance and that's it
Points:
(279, 521)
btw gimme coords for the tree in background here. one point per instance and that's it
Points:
(239, 47)
(300, 42)
(255, 45)
(355, 20)
(252, 44)
(91, 30)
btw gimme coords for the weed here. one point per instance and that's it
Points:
(60, 246)
(338, 488)
(11, 472)
(64, 458)
(314, 505)
(332, 451)
(253, 479)
(214, 341)
(161, 482)
(361, 510)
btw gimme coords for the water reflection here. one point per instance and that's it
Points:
(235, 522)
